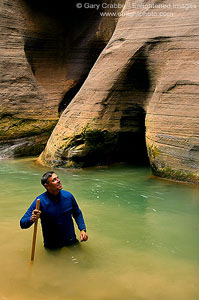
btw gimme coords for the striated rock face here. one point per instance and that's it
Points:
(143, 90)
(46, 53)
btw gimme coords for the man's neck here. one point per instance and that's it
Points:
(54, 193)
(54, 196)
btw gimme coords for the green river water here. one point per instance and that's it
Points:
(143, 237)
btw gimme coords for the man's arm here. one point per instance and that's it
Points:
(30, 216)
(77, 214)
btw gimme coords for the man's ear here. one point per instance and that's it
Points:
(45, 185)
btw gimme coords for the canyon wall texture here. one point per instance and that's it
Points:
(46, 52)
(142, 90)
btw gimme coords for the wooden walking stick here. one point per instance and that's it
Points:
(34, 233)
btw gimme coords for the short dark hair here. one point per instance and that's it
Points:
(44, 178)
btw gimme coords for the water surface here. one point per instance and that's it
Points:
(143, 237)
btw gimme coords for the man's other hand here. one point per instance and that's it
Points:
(83, 236)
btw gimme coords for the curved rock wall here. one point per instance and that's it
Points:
(47, 50)
(149, 69)
(21, 96)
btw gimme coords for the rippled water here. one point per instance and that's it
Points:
(143, 237)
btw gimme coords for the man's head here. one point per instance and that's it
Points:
(51, 182)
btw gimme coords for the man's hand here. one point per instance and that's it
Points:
(83, 236)
(35, 215)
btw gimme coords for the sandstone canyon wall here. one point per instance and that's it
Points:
(137, 101)
(142, 90)
(46, 52)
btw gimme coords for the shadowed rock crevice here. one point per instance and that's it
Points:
(137, 76)
(70, 95)
(93, 52)
(131, 142)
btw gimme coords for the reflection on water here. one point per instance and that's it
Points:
(143, 237)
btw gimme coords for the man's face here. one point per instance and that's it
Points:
(54, 184)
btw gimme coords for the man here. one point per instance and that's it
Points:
(56, 210)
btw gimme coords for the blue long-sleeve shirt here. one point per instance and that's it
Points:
(56, 218)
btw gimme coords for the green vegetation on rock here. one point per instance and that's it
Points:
(28, 136)
(161, 169)
(179, 175)
(13, 128)
(89, 147)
